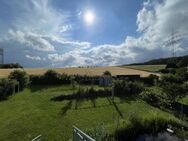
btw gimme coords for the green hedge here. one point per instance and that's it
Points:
(127, 88)
(7, 88)
(50, 78)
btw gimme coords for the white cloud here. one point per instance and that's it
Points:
(30, 39)
(37, 58)
(65, 28)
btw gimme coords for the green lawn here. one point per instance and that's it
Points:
(30, 113)
(151, 68)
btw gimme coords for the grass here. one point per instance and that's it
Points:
(184, 100)
(80, 71)
(30, 113)
(150, 68)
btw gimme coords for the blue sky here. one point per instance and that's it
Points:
(56, 33)
(115, 19)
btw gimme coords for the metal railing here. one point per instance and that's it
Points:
(78, 135)
(38, 138)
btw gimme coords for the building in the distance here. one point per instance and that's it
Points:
(132, 77)
(105, 80)
(1, 56)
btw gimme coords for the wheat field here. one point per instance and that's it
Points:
(81, 71)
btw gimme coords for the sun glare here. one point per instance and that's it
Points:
(89, 17)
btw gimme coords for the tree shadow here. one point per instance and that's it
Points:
(66, 108)
(78, 103)
(117, 109)
(93, 101)
(39, 88)
(109, 100)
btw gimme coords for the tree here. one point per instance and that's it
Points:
(21, 77)
(107, 73)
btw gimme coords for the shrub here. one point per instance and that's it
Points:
(7, 88)
(165, 71)
(182, 74)
(154, 96)
(171, 65)
(170, 78)
(138, 126)
(173, 91)
(50, 78)
(123, 88)
(21, 77)
(150, 80)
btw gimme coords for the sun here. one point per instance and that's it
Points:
(89, 17)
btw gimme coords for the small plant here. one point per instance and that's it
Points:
(99, 133)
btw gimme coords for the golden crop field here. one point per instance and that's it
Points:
(81, 71)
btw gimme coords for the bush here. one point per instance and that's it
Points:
(170, 78)
(7, 88)
(50, 78)
(182, 74)
(21, 77)
(171, 65)
(150, 80)
(139, 126)
(165, 71)
(154, 96)
(123, 88)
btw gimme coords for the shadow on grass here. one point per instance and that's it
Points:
(66, 108)
(117, 109)
(51, 88)
(93, 101)
(78, 103)
(39, 88)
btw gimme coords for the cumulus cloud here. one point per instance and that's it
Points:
(34, 57)
(30, 39)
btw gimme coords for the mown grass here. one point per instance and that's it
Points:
(150, 68)
(31, 112)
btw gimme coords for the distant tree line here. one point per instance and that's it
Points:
(10, 66)
(181, 61)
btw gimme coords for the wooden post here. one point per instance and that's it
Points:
(112, 94)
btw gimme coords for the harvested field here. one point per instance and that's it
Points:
(81, 71)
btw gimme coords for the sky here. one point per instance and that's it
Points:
(69, 33)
